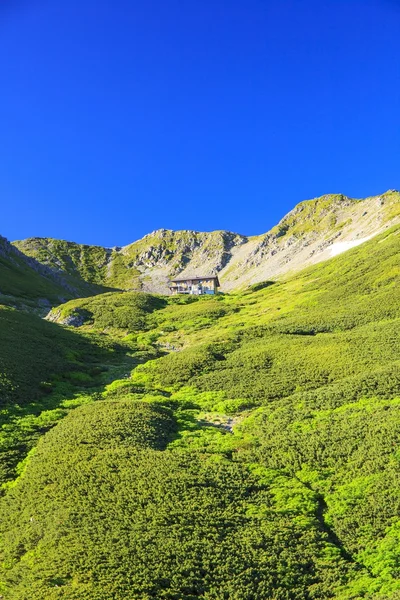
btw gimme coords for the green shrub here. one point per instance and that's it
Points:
(99, 513)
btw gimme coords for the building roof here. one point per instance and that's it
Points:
(196, 278)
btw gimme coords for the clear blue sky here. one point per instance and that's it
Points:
(119, 117)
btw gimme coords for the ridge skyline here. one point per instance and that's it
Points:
(313, 231)
(199, 230)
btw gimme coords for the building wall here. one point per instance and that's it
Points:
(205, 286)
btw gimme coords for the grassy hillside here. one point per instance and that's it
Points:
(24, 283)
(126, 311)
(27, 284)
(86, 262)
(94, 265)
(117, 517)
(252, 453)
(46, 370)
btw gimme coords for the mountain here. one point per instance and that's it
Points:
(313, 231)
(26, 282)
(238, 446)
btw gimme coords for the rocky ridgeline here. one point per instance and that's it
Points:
(179, 251)
(313, 231)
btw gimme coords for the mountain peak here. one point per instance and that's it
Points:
(158, 233)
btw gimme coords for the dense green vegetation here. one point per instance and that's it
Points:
(113, 517)
(29, 284)
(45, 370)
(127, 311)
(87, 262)
(238, 447)
(25, 283)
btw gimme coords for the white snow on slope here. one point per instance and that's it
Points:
(340, 247)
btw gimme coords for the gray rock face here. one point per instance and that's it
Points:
(75, 320)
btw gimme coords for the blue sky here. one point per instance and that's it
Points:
(121, 117)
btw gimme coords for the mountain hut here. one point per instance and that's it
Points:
(206, 284)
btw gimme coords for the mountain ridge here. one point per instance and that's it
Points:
(313, 231)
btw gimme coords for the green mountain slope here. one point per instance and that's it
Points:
(244, 446)
(312, 232)
(91, 264)
(114, 516)
(45, 370)
(27, 283)
(23, 280)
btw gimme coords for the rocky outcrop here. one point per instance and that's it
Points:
(76, 318)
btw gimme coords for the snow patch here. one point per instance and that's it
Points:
(340, 247)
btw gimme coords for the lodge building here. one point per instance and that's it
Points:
(206, 284)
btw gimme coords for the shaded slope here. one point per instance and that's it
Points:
(27, 283)
(33, 352)
(41, 366)
(45, 370)
(75, 261)
(24, 280)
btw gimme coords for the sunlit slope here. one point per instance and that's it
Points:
(123, 312)
(334, 321)
(105, 511)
